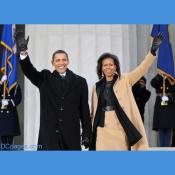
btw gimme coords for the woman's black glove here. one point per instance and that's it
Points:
(157, 41)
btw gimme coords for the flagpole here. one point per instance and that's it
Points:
(164, 103)
(5, 71)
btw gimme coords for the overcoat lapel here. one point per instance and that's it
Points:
(70, 82)
(56, 84)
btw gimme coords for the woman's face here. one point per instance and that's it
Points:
(108, 67)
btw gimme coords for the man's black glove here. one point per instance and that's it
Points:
(157, 41)
(85, 142)
(21, 42)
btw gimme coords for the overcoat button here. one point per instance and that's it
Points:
(57, 131)
(61, 109)
(60, 120)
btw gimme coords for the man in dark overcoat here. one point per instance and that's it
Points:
(9, 122)
(164, 109)
(63, 102)
(141, 95)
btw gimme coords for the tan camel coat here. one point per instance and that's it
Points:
(123, 91)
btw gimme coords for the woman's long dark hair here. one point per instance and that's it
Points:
(103, 57)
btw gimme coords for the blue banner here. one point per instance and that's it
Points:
(165, 62)
(8, 62)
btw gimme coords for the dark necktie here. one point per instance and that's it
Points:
(63, 77)
(63, 82)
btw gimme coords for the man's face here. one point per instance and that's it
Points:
(60, 63)
(142, 83)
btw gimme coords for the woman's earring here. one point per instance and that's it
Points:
(102, 74)
(116, 73)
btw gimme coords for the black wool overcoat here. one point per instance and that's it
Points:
(63, 107)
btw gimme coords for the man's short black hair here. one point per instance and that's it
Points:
(144, 79)
(59, 51)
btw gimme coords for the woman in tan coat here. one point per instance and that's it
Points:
(117, 123)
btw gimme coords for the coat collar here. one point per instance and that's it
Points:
(70, 81)
(101, 84)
